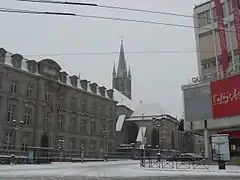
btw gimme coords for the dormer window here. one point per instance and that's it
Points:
(63, 77)
(32, 66)
(49, 68)
(102, 90)
(2, 55)
(110, 93)
(84, 84)
(93, 87)
(17, 60)
(73, 80)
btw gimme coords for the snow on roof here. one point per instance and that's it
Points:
(148, 109)
(120, 122)
(123, 100)
(141, 134)
(24, 67)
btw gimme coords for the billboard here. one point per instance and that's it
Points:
(220, 147)
(197, 102)
(226, 97)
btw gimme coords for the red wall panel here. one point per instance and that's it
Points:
(226, 97)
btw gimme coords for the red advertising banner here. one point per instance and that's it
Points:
(226, 97)
(222, 36)
(236, 21)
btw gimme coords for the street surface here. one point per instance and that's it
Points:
(116, 170)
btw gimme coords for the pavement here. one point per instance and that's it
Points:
(117, 170)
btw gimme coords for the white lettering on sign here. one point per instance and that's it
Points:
(226, 97)
(216, 75)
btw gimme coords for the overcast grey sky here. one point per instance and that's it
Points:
(156, 77)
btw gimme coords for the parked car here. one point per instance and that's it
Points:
(185, 157)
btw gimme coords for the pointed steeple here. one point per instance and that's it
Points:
(122, 67)
(114, 71)
(129, 72)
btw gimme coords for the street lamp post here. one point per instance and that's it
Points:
(159, 123)
(106, 133)
(17, 127)
(82, 152)
(60, 147)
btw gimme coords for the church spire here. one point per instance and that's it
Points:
(122, 67)
(129, 72)
(114, 71)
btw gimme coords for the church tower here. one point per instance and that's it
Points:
(122, 77)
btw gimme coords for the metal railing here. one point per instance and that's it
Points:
(173, 163)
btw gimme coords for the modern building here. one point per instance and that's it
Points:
(41, 106)
(218, 47)
(208, 44)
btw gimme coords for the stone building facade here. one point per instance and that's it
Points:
(40, 104)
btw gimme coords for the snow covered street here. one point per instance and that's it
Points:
(113, 170)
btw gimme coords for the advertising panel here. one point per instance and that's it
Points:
(220, 147)
(226, 97)
(222, 36)
(197, 102)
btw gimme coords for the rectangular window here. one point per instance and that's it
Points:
(61, 101)
(60, 121)
(8, 140)
(110, 111)
(94, 108)
(1, 80)
(93, 127)
(82, 144)
(47, 120)
(83, 126)
(72, 144)
(103, 127)
(204, 18)
(214, 15)
(28, 115)
(93, 144)
(48, 96)
(29, 90)
(11, 112)
(73, 103)
(102, 109)
(230, 9)
(13, 87)
(83, 105)
(73, 124)
(224, 10)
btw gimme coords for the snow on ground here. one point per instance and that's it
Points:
(107, 169)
